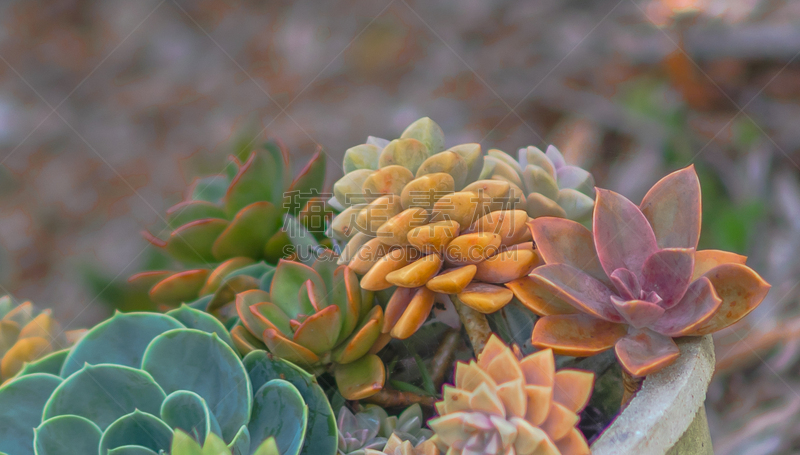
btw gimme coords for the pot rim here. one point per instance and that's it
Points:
(661, 412)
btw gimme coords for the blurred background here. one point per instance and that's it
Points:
(108, 109)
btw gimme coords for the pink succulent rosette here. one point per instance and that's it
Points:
(636, 281)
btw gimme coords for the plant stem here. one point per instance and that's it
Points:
(630, 385)
(476, 325)
(443, 359)
(391, 398)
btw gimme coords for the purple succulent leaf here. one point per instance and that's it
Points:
(585, 293)
(567, 242)
(555, 157)
(652, 297)
(643, 351)
(575, 178)
(668, 273)
(627, 284)
(673, 208)
(622, 235)
(698, 305)
(638, 313)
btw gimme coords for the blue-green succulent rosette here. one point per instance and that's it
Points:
(151, 384)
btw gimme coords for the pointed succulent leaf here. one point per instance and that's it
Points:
(192, 243)
(345, 293)
(580, 290)
(364, 156)
(187, 211)
(471, 153)
(672, 206)
(120, 340)
(137, 428)
(104, 393)
(259, 179)
(532, 156)
(741, 290)
(304, 245)
(561, 241)
(307, 183)
(321, 430)
(180, 287)
(50, 437)
(248, 232)
(428, 132)
(50, 364)
(362, 339)
(537, 180)
(360, 379)
(577, 335)
(705, 260)
(268, 447)
(540, 206)
(642, 352)
(21, 403)
(189, 412)
(183, 444)
(696, 308)
(501, 170)
(289, 278)
(320, 331)
(555, 157)
(485, 298)
(406, 152)
(210, 189)
(288, 426)
(280, 155)
(668, 273)
(538, 298)
(622, 235)
(197, 353)
(287, 349)
(505, 158)
(576, 205)
(24, 350)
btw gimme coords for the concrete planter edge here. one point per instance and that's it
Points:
(667, 416)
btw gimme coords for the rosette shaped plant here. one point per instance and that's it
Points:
(503, 405)
(417, 217)
(361, 431)
(29, 339)
(249, 213)
(316, 317)
(636, 281)
(183, 444)
(550, 186)
(135, 379)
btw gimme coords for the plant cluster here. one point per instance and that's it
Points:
(290, 343)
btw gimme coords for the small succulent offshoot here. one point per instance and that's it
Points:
(397, 446)
(432, 221)
(636, 281)
(506, 405)
(317, 318)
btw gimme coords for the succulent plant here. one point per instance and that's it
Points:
(550, 186)
(636, 281)
(317, 318)
(249, 213)
(137, 377)
(361, 431)
(408, 426)
(418, 217)
(183, 444)
(397, 446)
(502, 404)
(26, 336)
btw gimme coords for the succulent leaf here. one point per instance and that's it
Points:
(188, 411)
(248, 232)
(137, 429)
(83, 434)
(200, 320)
(360, 379)
(193, 242)
(22, 401)
(228, 393)
(289, 424)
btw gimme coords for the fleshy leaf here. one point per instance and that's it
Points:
(538, 298)
(200, 320)
(695, 309)
(137, 428)
(580, 290)
(576, 205)
(195, 354)
(289, 278)
(104, 393)
(321, 435)
(562, 241)
(50, 364)
(179, 287)
(83, 436)
(120, 340)
(705, 260)
(259, 179)
(672, 206)
(192, 242)
(307, 184)
(189, 412)
(360, 379)
(575, 178)
(21, 403)
(248, 232)
(577, 335)
(642, 352)
(279, 411)
(668, 273)
(622, 235)
(192, 210)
